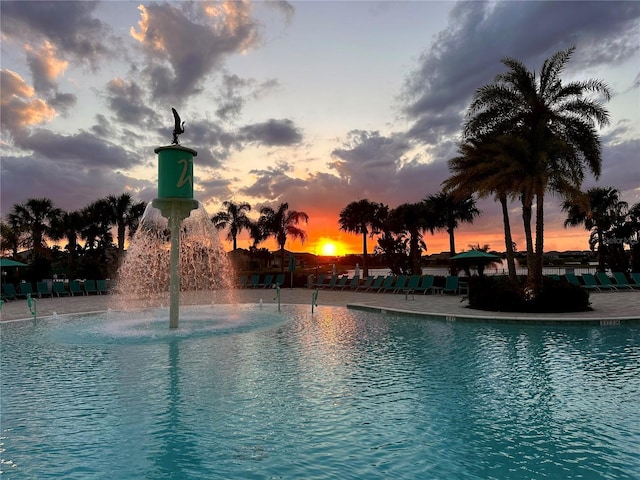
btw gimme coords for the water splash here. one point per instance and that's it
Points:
(144, 276)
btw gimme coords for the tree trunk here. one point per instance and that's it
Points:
(534, 279)
(508, 241)
(453, 270)
(365, 270)
(526, 220)
(602, 251)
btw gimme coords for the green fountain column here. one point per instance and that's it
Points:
(175, 202)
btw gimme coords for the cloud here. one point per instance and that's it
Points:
(19, 108)
(70, 187)
(185, 43)
(235, 92)
(45, 66)
(466, 55)
(273, 132)
(69, 26)
(127, 100)
(82, 149)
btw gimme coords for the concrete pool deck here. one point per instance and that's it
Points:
(609, 308)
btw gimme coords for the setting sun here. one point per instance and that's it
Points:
(329, 249)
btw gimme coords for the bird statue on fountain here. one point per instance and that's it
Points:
(178, 128)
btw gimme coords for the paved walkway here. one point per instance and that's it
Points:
(608, 307)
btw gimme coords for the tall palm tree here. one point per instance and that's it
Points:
(10, 238)
(412, 219)
(68, 225)
(363, 217)
(451, 210)
(558, 123)
(35, 216)
(599, 209)
(489, 167)
(125, 214)
(233, 217)
(282, 223)
(96, 229)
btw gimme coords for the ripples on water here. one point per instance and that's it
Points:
(340, 394)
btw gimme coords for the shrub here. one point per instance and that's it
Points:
(502, 295)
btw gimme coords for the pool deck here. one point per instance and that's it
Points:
(609, 308)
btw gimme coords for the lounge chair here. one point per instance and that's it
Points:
(353, 283)
(242, 281)
(573, 280)
(605, 281)
(636, 280)
(377, 283)
(590, 282)
(43, 289)
(413, 284)
(622, 282)
(9, 291)
(401, 284)
(90, 287)
(452, 285)
(331, 283)
(267, 281)
(367, 283)
(427, 285)
(75, 288)
(59, 290)
(341, 282)
(102, 286)
(24, 289)
(320, 281)
(280, 279)
(253, 282)
(387, 285)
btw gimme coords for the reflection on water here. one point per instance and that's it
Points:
(250, 393)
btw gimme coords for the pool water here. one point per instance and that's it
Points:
(243, 392)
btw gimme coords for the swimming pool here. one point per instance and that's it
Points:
(261, 394)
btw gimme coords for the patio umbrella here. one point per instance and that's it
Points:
(475, 255)
(7, 262)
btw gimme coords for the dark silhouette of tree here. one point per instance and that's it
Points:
(124, 213)
(599, 210)
(411, 220)
(556, 122)
(68, 226)
(449, 211)
(281, 224)
(234, 217)
(363, 217)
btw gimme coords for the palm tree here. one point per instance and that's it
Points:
(450, 210)
(489, 167)
(125, 214)
(68, 225)
(557, 123)
(411, 219)
(10, 238)
(599, 209)
(35, 217)
(96, 229)
(281, 224)
(233, 217)
(363, 217)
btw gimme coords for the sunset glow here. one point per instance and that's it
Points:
(329, 249)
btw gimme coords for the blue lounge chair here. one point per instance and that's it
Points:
(102, 286)
(280, 279)
(377, 283)
(452, 285)
(401, 283)
(43, 289)
(413, 284)
(427, 285)
(59, 290)
(254, 280)
(9, 291)
(573, 280)
(622, 282)
(24, 289)
(267, 281)
(320, 281)
(242, 281)
(342, 281)
(331, 283)
(387, 285)
(590, 282)
(90, 287)
(367, 283)
(75, 288)
(636, 280)
(353, 283)
(605, 281)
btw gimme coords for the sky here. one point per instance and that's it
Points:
(313, 103)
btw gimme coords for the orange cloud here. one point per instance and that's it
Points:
(19, 108)
(51, 66)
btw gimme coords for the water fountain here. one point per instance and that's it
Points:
(193, 252)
